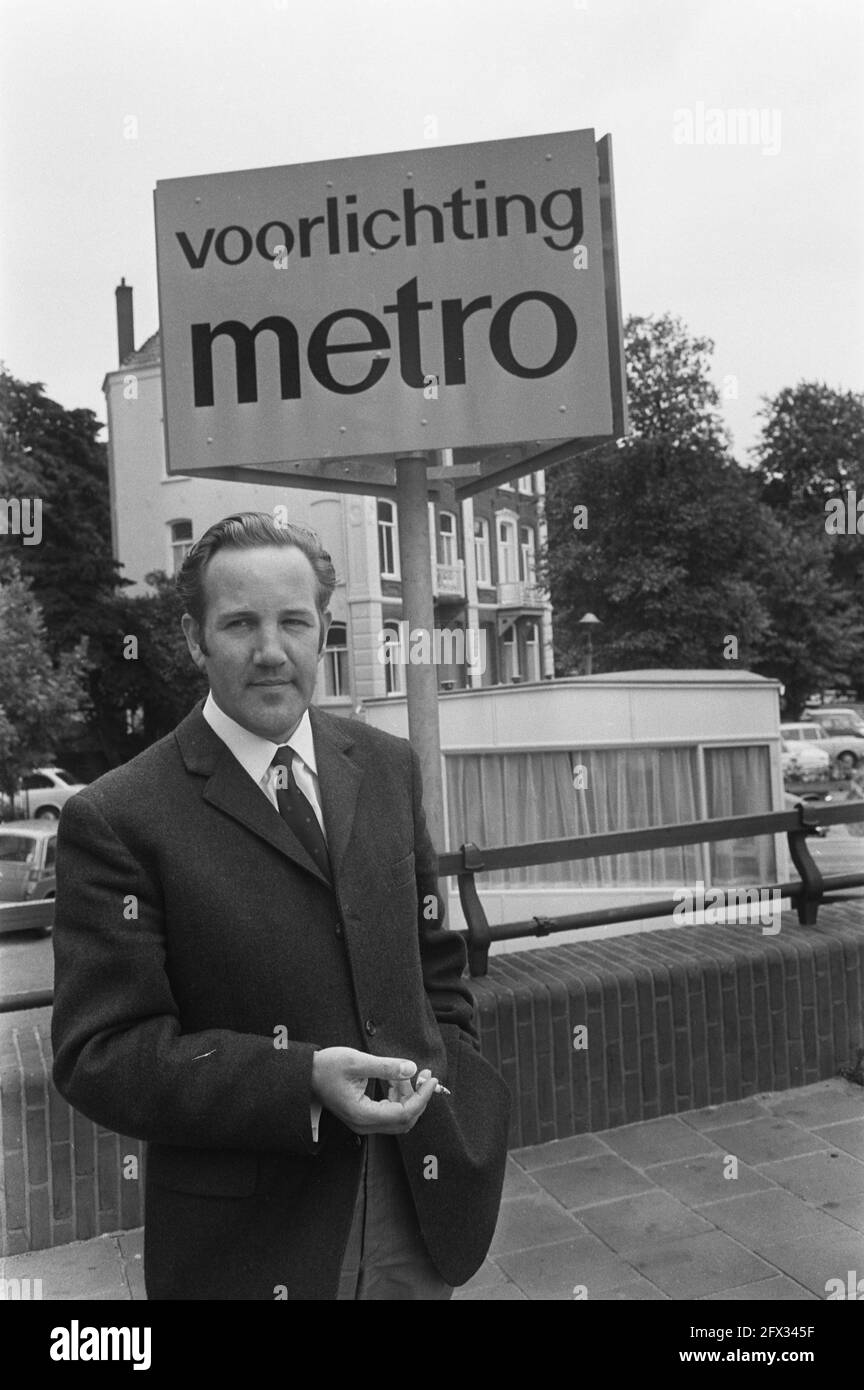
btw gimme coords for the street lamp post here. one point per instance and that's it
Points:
(589, 621)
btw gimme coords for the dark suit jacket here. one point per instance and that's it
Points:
(201, 959)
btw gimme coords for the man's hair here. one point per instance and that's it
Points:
(248, 531)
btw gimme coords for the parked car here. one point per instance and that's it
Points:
(848, 749)
(801, 759)
(42, 794)
(28, 883)
(823, 698)
(839, 721)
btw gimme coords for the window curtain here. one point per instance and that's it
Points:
(738, 783)
(516, 798)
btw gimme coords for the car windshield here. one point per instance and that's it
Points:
(66, 777)
(17, 849)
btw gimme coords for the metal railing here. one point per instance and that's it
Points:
(448, 581)
(520, 594)
(806, 894)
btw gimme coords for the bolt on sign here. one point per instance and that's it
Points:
(454, 297)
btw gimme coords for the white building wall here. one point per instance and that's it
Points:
(144, 500)
(364, 595)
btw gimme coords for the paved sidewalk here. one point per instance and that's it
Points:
(758, 1199)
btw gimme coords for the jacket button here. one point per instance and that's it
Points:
(370, 1027)
(338, 928)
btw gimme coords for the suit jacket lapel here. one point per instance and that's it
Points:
(340, 773)
(231, 789)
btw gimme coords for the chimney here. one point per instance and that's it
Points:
(125, 321)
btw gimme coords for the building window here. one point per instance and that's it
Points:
(508, 487)
(538, 481)
(449, 546)
(508, 555)
(510, 648)
(388, 540)
(526, 554)
(524, 484)
(181, 542)
(336, 662)
(738, 783)
(519, 798)
(532, 652)
(481, 550)
(393, 668)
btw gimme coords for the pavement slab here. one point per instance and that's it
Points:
(698, 1181)
(131, 1245)
(634, 1223)
(558, 1151)
(652, 1141)
(88, 1268)
(813, 1260)
(849, 1210)
(587, 1181)
(525, 1221)
(821, 1177)
(700, 1265)
(781, 1288)
(554, 1271)
(759, 1141)
(734, 1112)
(638, 1290)
(487, 1276)
(756, 1220)
(518, 1183)
(848, 1135)
(821, 1104)
(501, 1293)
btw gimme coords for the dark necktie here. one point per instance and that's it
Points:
(297, 811)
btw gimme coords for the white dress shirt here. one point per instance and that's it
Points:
(255, 755)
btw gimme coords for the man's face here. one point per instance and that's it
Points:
(262, 637)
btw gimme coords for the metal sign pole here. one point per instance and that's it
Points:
(421, 680)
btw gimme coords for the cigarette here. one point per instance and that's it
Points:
(442, 1089)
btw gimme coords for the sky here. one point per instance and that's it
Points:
(755, 245)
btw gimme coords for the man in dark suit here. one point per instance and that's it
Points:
(252, 972)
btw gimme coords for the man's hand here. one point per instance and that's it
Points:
(340, 1076)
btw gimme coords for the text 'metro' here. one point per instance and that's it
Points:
(304, 309)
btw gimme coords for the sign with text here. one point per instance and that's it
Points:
(443, 297)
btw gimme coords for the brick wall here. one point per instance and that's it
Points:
(62, 1176)
(675, 1020)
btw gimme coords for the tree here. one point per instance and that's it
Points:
(684, 549)
(141, 678)
(669, 390)
(147, 681)
(811, 448)
(665, 552)
(814, 632)
(41, 700)
(54, 455)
